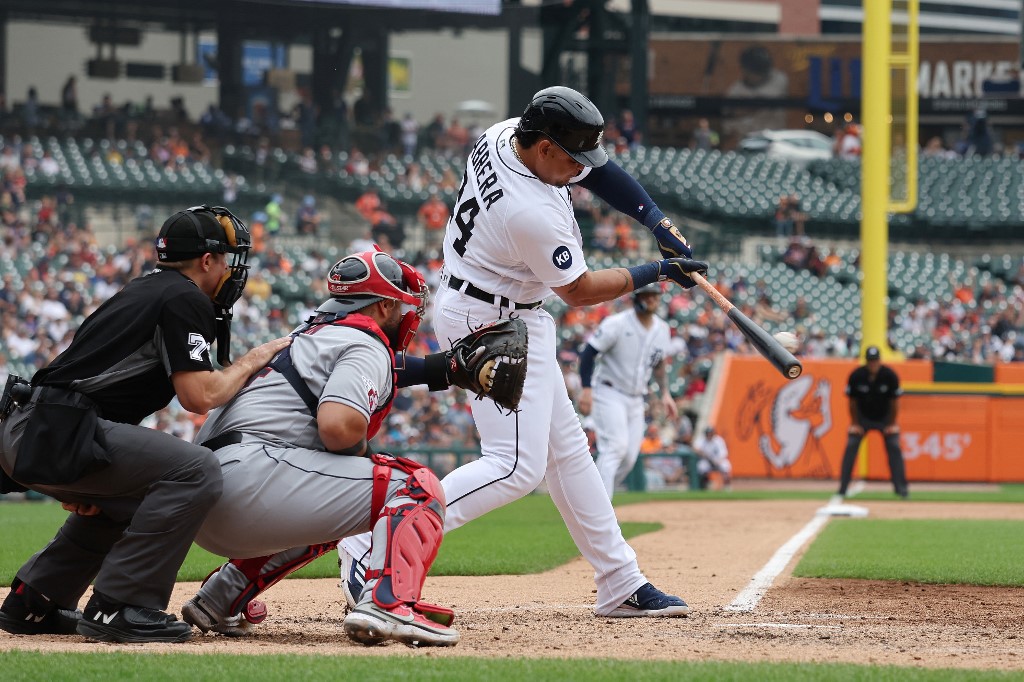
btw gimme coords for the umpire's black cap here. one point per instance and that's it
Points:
(198, 230)
(570, 120)
(872, 353)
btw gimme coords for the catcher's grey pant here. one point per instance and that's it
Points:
(619, 422)
(278, 498)
(153, 496)
(544, 440)
(892, 451)
(281, 501)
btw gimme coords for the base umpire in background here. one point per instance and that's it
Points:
(137, 495)
(874, 391)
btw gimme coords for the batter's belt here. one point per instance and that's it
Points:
(487, 297)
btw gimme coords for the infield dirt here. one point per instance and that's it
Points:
(707, 553)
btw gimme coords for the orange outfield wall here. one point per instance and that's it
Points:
(798, 429)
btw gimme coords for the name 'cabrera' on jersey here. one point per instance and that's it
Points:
(511, 234)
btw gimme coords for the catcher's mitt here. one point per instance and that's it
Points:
(491, 362)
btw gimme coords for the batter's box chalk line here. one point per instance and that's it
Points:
(747, 600)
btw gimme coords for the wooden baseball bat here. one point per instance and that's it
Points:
(766, 345)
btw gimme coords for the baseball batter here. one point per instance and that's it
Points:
(511, 242)
(628, 348)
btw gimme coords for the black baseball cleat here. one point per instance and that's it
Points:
(27, 612)
(125, 623)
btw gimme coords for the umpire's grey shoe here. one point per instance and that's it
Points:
(650, 602)
(124, 623)
(371, 624)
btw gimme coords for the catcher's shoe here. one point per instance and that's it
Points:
(198, 612)
(649, 601)
(371, 624)
(27, 612)
(126, 623)
(353, 578)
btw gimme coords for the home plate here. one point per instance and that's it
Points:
(850, 510)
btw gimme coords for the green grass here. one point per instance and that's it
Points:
(84, 667)
(1005, 493)
(527, 536)
(926, 551)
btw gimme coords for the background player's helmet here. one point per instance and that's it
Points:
(570, 120)
(208, 229)
(360, 279)
(641, 299)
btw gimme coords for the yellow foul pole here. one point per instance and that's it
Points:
(880, 61)
(876, 146)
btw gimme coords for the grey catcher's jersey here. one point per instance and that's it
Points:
(628, 351)
(511, 234)
(339, 364)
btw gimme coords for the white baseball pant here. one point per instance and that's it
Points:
(545, 439)
(619, 420)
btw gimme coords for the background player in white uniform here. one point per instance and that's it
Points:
(511, 242)
(628, 348)
(290, 491)
(714, 456)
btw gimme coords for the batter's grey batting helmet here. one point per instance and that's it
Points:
(570, 120)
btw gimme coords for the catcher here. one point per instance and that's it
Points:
(299, 473)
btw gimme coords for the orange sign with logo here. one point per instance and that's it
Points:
(798, 429)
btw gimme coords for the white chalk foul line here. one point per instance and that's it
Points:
(795, 626)
(747, 599)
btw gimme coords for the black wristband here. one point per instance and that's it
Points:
(435, 369)
(645, 274)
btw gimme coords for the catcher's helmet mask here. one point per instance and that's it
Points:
(208, 229)
(359, 279)
(570, 120)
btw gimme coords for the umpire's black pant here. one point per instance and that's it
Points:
(892, 450)
(154, 495)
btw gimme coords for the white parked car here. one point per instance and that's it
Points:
(796, 146)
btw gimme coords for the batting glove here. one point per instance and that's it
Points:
(670, 242)
(677, 269)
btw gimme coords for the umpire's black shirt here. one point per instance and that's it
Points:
(874, 396)
(123, 355)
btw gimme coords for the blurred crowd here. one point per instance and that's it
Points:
(54, 274)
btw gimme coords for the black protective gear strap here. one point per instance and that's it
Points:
(282, 363)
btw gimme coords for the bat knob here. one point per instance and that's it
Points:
(794, 371)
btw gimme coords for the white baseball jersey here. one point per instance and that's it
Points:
(339, 364)
(714, 449)
(513, 236)
(628, 351)
(519, 236)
